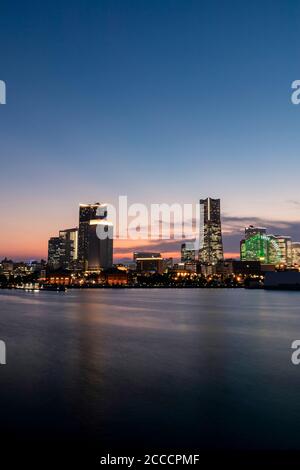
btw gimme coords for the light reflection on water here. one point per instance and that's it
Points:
(192, 368)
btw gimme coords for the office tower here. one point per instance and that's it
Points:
(255, 245)
(285, 246)
(211, 245)
(296, 253)
(100, 245)
(268, 249)
(87, 212)
(54, 260)
(188, 252)
(148, 262)
(68, 247)
(94, 252)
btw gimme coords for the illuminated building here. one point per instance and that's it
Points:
(268, 249)
(285, 246)
(93, 253)
(187, 252)
(90, 247)
(255, 245)
(148, 262)
(62, 250)
(54, 258)
(296, 253)
(6, 267)
(100, 245)
(68, 247)
(211, 245)
(116, 277)
(250, 231)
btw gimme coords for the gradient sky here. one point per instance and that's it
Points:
(160, 100)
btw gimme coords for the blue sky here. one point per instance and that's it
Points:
(164, 101)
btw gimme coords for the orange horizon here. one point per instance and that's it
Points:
(123, 252)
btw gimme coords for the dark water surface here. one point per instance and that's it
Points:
(156, 369)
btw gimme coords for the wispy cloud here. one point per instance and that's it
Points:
(233, 231)
(293, 202)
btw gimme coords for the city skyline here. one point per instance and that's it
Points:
(232, 233)
(71, 245)
(163, 101)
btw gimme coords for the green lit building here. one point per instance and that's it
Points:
(258, 246)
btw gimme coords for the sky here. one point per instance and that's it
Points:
(165, 101)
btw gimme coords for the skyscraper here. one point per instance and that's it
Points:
(211, 245)
(100, 249)
(94, 253)
(87, 212)
(54, 253)
(68, 247)
(62, 250)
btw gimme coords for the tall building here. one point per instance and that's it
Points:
(94, 253)
(296, 253)
(100, 248)
(68, 247)
(188, 252)
(211, 244)
(62, 250)
(87, 212)
(54, 259)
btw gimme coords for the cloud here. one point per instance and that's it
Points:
(233, 231)
(293, 202)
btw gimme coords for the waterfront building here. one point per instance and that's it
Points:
(254, 247)
(6, 267)
(148, 262)
(54, 258)
(100, 245)
(211, 244)
(296, 253)
(235, 267)
(116, 277)
(68, 247)
(258, 246)
(285, 246)
(268, 249)
(94, 253)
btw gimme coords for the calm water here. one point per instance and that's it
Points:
(151, 369)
